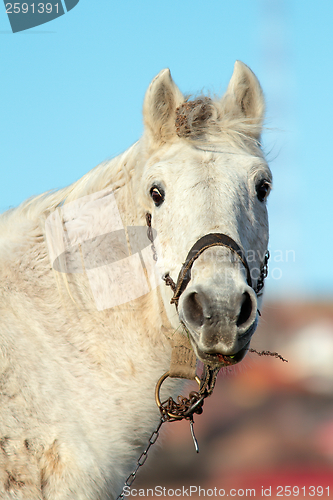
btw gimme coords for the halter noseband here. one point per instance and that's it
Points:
(208, 241)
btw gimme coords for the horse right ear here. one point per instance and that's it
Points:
(159, 109)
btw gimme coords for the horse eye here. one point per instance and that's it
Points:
(157, 195)
(262, 190)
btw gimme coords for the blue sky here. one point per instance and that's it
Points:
(72, 91)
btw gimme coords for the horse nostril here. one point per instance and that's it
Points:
(246, 310)
(193, 310)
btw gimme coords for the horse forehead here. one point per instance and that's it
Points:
(216, 170)
(197, 159)
(219, 168)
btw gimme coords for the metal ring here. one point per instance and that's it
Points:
(157, 393)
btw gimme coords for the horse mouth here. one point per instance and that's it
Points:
(219, 359)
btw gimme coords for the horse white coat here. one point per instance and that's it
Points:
(76, 380)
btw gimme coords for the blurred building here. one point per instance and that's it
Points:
(269, 423)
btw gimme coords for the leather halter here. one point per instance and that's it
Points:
(207, 241)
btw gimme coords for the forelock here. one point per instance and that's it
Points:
(205, 119)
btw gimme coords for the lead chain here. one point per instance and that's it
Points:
(193, 405)
(141, 460)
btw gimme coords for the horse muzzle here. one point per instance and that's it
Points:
(219, 319)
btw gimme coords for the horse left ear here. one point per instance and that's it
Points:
(247, 97)
(159, 108)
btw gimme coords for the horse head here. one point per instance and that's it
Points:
(204, 173)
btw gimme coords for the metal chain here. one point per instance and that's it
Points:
(185, 408)
(150, 236)
(169, 281)
(142, 459)
(167, 278)
(263, 274)
(182, 410)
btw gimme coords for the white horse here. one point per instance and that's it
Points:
(86, 328)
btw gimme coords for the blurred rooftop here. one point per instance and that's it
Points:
(269, 422)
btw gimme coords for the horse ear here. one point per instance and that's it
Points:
(159, 108)
(247, 99)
